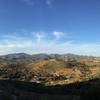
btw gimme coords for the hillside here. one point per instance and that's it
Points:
(49, 77)
(49, 69)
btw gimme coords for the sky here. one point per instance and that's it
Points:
(50, 26)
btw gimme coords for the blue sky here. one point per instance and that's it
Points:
(50, 26)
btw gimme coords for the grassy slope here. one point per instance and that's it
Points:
(57, 72)
(50, 72)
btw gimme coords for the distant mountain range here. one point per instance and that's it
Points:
(34, 57)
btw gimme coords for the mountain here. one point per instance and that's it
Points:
(34, 57)
(63, 57)
(16, 58)
(49, 69)
(41, 56)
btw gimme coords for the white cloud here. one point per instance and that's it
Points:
(40, 43)
(58, 35)
(39, 36)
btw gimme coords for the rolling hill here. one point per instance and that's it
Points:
(49, 76)
(49, 69)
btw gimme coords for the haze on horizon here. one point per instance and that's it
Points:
(50, 26)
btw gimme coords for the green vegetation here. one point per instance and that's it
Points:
(54, 65)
